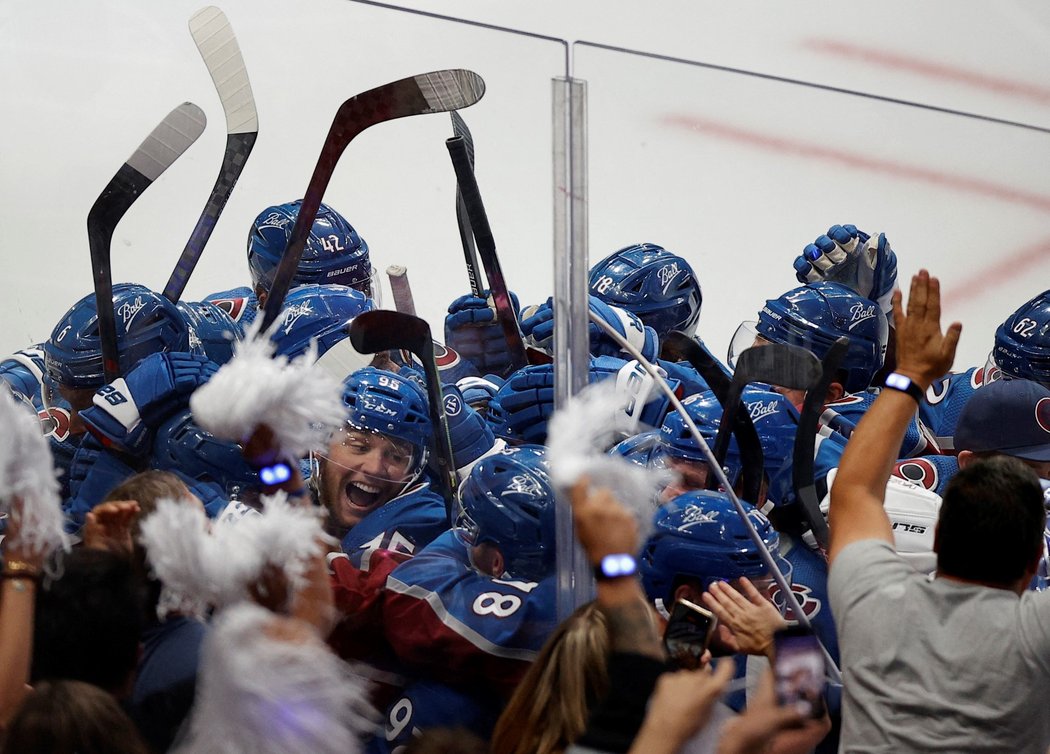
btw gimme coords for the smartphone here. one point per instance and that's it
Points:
(689, 631)
(798, 668)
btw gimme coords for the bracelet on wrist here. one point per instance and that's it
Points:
(904, 384)
(615, 566)
(19, 569)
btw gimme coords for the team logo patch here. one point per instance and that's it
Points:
(918, 471)
(810, 605)
(1042, 413)
(445, 357)
(54, 422)
(232, 306)
(938, 391)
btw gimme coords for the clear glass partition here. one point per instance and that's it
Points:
(738, 172)
(84, 93)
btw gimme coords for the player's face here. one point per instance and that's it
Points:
(362, 471)
(688, 476)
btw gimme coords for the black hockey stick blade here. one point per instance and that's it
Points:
(775, 364)
(677, 346)
(479, 223)
(435, 92)
(218, 46)
(162, 147)
(384, 330)
(805, 443)
(466, 235)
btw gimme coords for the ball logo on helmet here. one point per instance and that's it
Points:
(694, 514)
(293, 313)
(129, 309)
(275, 220)
(760, 409)
(668, 273)
(861, 313)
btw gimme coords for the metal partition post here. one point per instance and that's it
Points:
(571, 357)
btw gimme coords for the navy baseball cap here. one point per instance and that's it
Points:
(1008, 416)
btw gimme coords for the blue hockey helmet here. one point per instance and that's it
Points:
(627, 324)
(211, 329)
(1022, 342)
(334, 253)
(814, 316)
(317, 312)
(699, 535)
(655, 284)
(146, 323)
(641, 449)
(384, 402)
(181, 445)
(508, 500)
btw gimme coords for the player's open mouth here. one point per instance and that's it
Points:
(362, 495)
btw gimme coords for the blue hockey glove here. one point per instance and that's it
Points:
(471, 435)
(479, 391)
(537, 327)
(845, 255)
(126, 411)
(524, 404)
(92, 474)
(472, 330)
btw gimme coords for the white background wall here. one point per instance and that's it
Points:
(735, 173)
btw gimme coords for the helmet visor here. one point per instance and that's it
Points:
(746, 335)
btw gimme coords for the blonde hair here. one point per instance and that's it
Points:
(550, 707)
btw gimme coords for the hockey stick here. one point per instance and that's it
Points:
(436, 92)
(384, 330)
(479, 223)
(466, 234)
(678, 346)
(805, 443)
(218, 46)
(767, 557)
(163, 146)
(400, 289)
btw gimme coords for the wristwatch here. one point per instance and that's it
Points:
(897, 381)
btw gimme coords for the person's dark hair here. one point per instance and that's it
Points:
(88, 622)
(147, 488)
(991, 522)
(72, 717)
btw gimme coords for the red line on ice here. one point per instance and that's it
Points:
(859, 161)
(1019, 263)
(930, 69)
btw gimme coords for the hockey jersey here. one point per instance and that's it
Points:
(405, 524)
(944, 402)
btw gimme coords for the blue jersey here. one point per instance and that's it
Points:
(240, 303)
(918, 439)
(929, 472)
(945, 400)
(450, 623)
(24, 372)
(406, 524)
(427, 704)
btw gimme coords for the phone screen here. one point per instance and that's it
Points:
(799, 671)
(689, 631)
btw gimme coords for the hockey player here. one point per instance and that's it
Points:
(371, 480)
(656, 285)
(334, 255)
(472, 609)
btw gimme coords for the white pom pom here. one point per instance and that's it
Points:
(199, 567)
(27, 473)
(578, 436)
(303, 405)
(269, 684)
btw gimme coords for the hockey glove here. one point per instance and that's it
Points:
(92, 474)
(471, 436)
(471, 329)
(537, 326)
(845, 255)
(126, 411)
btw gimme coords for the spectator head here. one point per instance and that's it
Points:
(1007, 417)
(72, 717)
(550, 707)
(88, 622)
(994, 507)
